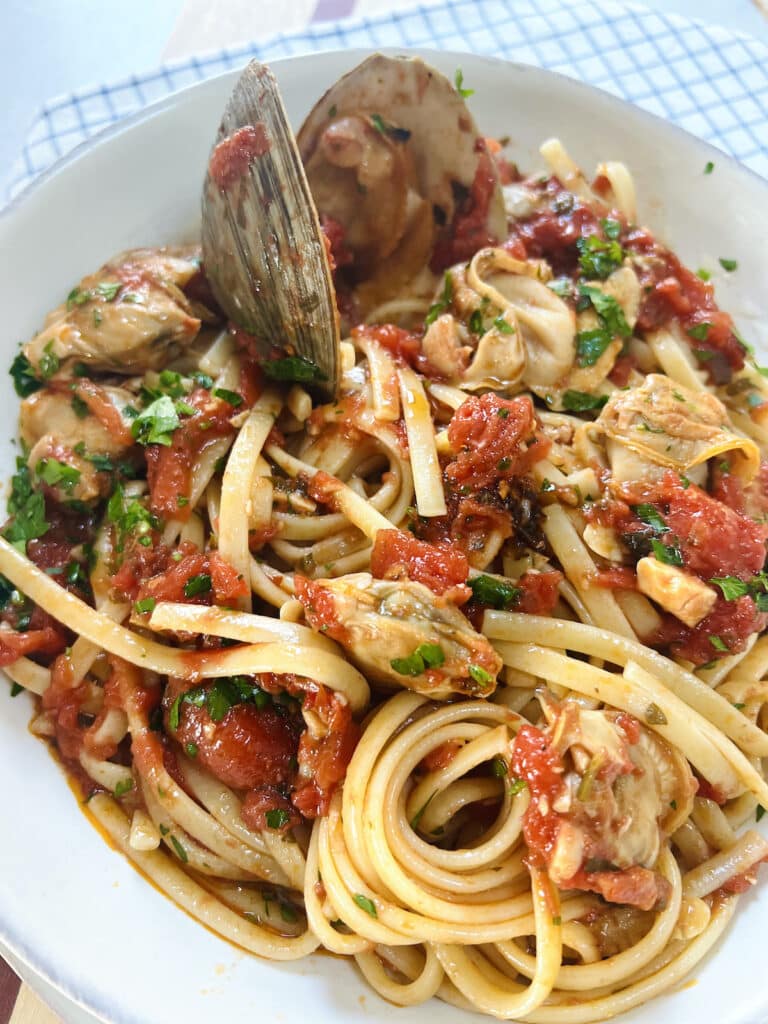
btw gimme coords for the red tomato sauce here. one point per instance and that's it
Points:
(169, 467)
(534, 760)
(233, 156)
(320, 608)
(441, 567)
(494, 439)
(468, 230)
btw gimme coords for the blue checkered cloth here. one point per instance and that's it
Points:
(705, 78)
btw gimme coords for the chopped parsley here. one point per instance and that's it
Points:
(580, 401)
(503, 326)
(759, 812)
(181, 853)
(277, 818)
(191, 749)
(718, 643)
(218, 697)
(729, 265)
(124, 786)
(295, 369)
(49, 362)
(145, 606)
(231, 397)
(590, 345)
(669, 554)
(612, 228)
(703, 275)
(709, 167)
(156, 424)
(607, 308)
(651, 517)
(57, 474)
(16, 689)
(480, 676)
(494, 593)
(24, 380)
(365, 904)
(130, 517)
(440, 306)
(458, 81)
(499, 768)
(516, 786)
(562, 286)
(699, 332)
(425, 656)
(731, 586)
(599, 258)
(27, 508)
(200, 584)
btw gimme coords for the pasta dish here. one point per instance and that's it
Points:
(461, 674)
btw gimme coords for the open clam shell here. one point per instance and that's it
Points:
(263, 249)
(394, 157)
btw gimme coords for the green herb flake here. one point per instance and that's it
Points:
(480, 676)
(24, 380)
(190, 749)
(16, 689)
(709, 167)
(146, 605)
(381, 126)
(580, 401)
(277, 818)
(651, 517)
(499, 768)
(181, 853)
(440, 306)
(609, 311)
(731, 586)
(718, 643)
(414, 822)
(703, 275)
(108, 290)
(293, 369)
(729, 265)
(669, 554)
(425, 656)
(49, 362)
(232, 397)
(124, 786)
(156, 424)
(562, 286)
(493, 592)
(57, 474)
(599, 258)
(516, 786)
(590, 345)
(365, 904)
(458, 81)
(759, 812)
(200, 584)
(27, 508)
(503, 326)
(612, 228)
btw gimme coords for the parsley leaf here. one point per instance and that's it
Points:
(124, 786)
(480, 676)
(155, 425)
(699, 332)
(590, 345)
(442, 303)
(146, 605)
(612, 228)
(231, 397)
(200, 584)
(293, 368)
(667, 553)
(718, 643)
(27, 507)
(425, 656)
(729, 265)
(458, 81)
(277, 818)
(598, 258)
(365, 904)
(49, 362)
(130, 517)
(24, 380)
(494, 593)
(709, 167)
(57, 474)
(381, 126)
(607, 308)
(580, 401)
(731, 586)
(651, 517)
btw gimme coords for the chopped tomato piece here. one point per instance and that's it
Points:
(441, 567)
(494, 439)
(468, 231)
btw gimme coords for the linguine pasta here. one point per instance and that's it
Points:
(461, 676)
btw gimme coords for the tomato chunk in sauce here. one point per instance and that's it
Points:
(441, 567)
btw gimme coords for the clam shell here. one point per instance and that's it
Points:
(263, 249)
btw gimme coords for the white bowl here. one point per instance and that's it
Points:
(73, 912)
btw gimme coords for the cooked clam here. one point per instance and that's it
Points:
(396, 163)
